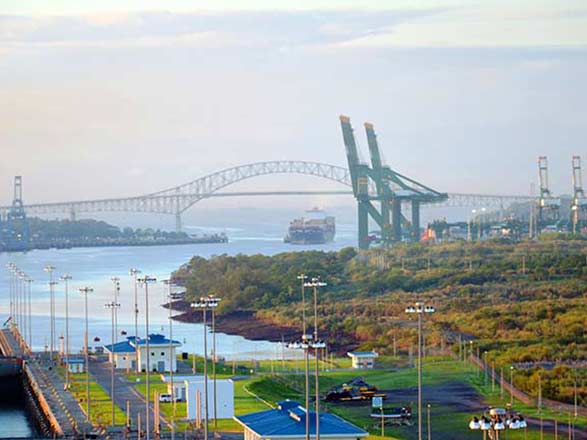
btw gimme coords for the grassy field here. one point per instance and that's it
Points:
(244, 403)
(454, 390)
(100, 403)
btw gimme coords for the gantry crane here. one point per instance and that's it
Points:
(379, 183)
(579, 202)
(548, 206)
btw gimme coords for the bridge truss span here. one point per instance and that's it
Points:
(176, 200)
(190, 193)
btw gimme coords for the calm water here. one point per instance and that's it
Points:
(94, 267)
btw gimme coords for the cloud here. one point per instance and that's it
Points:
(265, 29)
(482, 25)
(472, 24)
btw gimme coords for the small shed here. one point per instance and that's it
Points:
(75, 365)
(363, 360)
(224, 398)
(180, 382)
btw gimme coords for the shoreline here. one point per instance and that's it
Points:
(248, 325)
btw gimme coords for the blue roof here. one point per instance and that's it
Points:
(121, 347)
(155, 339)
(129, 346)
(289, 420)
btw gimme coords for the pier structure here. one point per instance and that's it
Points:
(57, 412)
(60, 412)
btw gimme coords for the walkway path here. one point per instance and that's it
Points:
(125, 392)
(44, 380)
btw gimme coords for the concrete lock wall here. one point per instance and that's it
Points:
(224, 399)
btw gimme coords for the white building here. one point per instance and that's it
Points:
(224, 398)
(75, 365)
(363, 359)
(126, 354)
(179, 383)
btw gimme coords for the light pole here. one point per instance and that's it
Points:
(113, 306)
(512, 385)
(214, 360)
(205, 303)
(485, 367)
(49, 269)
(134, 272)
(145, 281)
(11, 289)
(65, 278)
(420, 309)
(23, 310)
(429, 430)
(305, 346)
(30, 317)
(316, 344)
(172, 296)
(85, 291)
(116, 282)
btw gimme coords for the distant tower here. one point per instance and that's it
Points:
(16, 220)
(548, 206)
(579, 203)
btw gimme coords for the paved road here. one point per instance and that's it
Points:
(124, 392)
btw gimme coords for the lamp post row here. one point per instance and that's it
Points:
(310, 341)
(20, 315)
(20, 303)
(420, 309)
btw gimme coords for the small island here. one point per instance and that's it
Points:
(64, 234)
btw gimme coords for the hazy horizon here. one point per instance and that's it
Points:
(112, 99)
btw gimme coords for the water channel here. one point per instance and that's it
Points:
(94, 267)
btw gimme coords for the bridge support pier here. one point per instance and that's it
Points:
(396, 219)
(178, 225)
(363, 217)
(415, 221)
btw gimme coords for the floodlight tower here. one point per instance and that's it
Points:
(579, 203)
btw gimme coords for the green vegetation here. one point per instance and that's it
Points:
(523, 303)
(100, 402)
(57, 230)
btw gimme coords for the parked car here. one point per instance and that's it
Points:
(165, 398)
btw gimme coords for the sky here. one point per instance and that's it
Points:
(118, 97)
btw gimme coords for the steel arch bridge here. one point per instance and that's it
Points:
(180, 198)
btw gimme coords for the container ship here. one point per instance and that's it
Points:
(316, 228)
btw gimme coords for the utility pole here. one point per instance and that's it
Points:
(145, 281)
(316, 344)
(65, 278)
(85, 291)
(419, 309)
(205, 303)
(134, 272)
(49, 269)
(112, 306)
